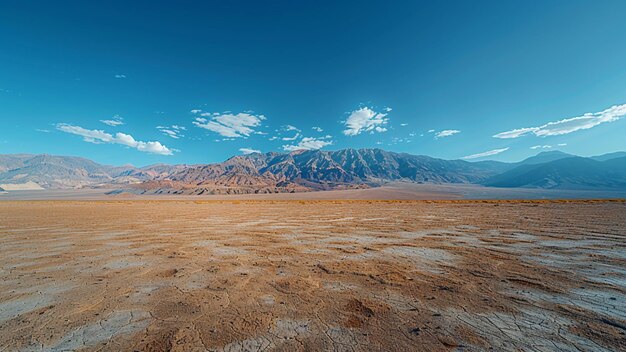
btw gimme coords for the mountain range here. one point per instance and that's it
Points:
(309, 170)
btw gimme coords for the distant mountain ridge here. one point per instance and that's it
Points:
(609, 156)
(307, 170)
(52, 171)
(565, 173)
(545, 157)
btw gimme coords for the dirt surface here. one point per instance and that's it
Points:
(312, 275)
(391, 191)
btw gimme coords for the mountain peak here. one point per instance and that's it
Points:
(545, 157)
(553, 152)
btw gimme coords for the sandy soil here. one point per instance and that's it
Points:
(312, 275)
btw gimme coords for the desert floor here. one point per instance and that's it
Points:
(394, 190)
(312, 275)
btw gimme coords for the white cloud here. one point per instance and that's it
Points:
(99, 136)
(249, 150)
(488, 153)
(228, 124)
(515, 133)
(397, 140)
(291, 138)
(317, 129)
(541, 147)
(291, 128)
(431, 131)
(404, 124)
(116, 120)
(120, 75)
(174, 131)
(309, 143)
(562, 144)
(170, 133)
(365, 120)
(42, 130)
(446, 133)
(569, 125)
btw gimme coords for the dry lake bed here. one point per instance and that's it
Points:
(312, 275)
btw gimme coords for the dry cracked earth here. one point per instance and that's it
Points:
(312, 275)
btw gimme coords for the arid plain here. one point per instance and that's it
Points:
(244, 275)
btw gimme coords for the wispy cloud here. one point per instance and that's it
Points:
(446, 133)
(541, 147)
(366, 120)
(249, 150)
(291, 128)
(120, 76)
(397, 140)
(518, 132)
(569, 125)
(487, 153)
(42, 130)
(174, 131)
(116, 120)
(317, 129)
(228, 124)
(291, 138)
(99, 136)
(309, 143)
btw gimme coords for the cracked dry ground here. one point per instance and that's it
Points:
(312, 275)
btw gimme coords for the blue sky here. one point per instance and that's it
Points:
(197, 82)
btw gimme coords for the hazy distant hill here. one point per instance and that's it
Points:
(544, 157)
(52, 171)
(570, 173)
(306, 170)
(609, 156)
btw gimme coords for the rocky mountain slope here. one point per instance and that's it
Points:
(316, 170)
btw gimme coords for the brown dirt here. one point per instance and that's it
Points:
(312, 275)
